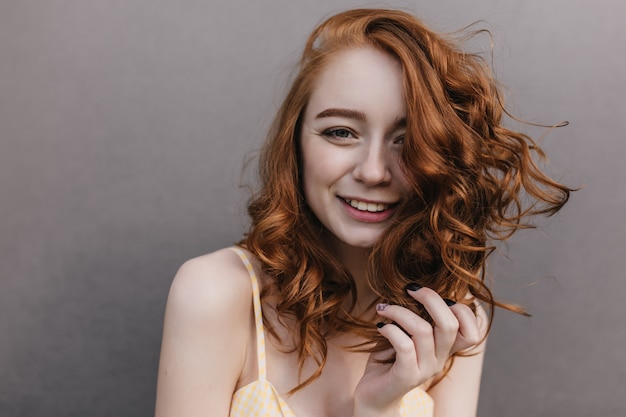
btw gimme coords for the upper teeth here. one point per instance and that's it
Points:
(363, 206)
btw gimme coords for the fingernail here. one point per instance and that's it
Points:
(449, 302)
(381, 307)
(413, 287)
(380, 324)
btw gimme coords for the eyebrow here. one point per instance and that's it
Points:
(347, 113)
(399, 123)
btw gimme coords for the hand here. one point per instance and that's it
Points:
(421, 350)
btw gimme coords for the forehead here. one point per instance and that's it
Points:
(365, 79)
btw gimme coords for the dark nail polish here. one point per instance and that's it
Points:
(380, 324)
(413, 287)
(449, 302)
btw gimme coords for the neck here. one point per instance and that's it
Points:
(356, 260)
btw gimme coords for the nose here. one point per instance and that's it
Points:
(374, 165)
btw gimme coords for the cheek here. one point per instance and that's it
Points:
(319, 164)
(396, 166)
(404, 185)
(315, 176)
(308, 181)
(323, 171)
(310, 172)
(315, 189)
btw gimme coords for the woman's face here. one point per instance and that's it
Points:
(352, 134)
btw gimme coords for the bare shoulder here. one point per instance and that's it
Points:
(206, 336)
(211, 282)
(209, 293)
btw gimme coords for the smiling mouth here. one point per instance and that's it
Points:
(364, 206)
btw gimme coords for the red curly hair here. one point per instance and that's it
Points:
(474, 181)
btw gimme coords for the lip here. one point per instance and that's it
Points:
(366, 200)
(368, 216)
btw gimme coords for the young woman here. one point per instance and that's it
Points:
(359, 289)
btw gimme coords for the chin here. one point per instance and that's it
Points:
(362, 243)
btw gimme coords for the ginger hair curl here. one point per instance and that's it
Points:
(474, 181)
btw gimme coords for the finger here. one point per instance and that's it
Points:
(419, 331)
(473, 327)
(446, 324)
(405, 365)
(383, 355)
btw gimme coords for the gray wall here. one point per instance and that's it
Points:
(124, 125)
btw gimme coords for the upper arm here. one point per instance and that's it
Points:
(456, 395)
(205, 337)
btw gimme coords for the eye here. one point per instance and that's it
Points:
(399, 140)
(339, 133)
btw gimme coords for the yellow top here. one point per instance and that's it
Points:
(260, 398)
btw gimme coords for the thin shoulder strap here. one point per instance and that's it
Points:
(258, 316)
